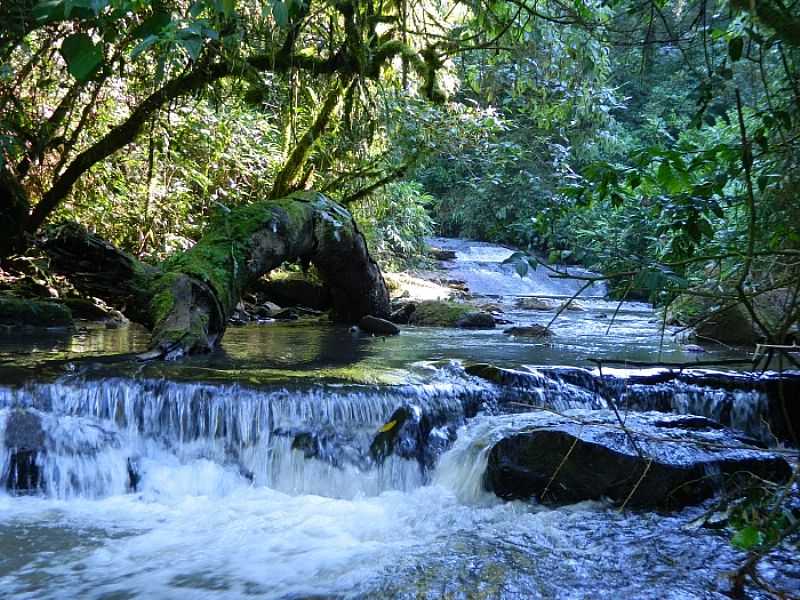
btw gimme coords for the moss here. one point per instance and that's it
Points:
(219, 259)
(23, 312)
(439, 313)
(163, 297)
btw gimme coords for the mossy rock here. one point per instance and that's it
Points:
(24, 312)
(439, 313)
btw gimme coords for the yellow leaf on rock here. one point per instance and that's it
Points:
(388, 427)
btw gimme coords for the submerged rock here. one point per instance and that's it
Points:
(657, 461)
(377, 326)
(531, 331)
(573, 306)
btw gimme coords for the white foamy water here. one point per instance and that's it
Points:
(481, 265)
(198, 529)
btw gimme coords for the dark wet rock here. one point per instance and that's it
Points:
(494, 374)
(661, 462)
(82, 308)
(24, 430)
(24, 438)
(330, 446)
(134, 474)
(415, 434)
(442, 254)
(531, 331)
(293, 291)
(25, 312)
(533, 304)
(731, 326)
(378, 326)
(476, 320)
(402, 314)
(522, 389)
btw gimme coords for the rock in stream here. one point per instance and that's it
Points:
(657, 460)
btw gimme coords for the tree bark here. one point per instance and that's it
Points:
(187, 300)
(14, 209)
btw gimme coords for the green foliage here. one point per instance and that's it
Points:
(82, 55)
(396, 222)
(205, 159)
(759, 518)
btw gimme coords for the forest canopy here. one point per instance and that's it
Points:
(654, 141)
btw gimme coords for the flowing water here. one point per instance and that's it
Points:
(251, 473)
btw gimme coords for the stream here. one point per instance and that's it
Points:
(247, 473)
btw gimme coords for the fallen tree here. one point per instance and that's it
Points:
(186, 300)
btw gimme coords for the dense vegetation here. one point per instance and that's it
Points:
(652, 141)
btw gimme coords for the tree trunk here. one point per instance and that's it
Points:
(13, 213)
(187, 300)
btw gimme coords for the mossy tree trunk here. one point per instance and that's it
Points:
(187, 300)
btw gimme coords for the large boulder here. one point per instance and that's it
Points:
(734, 324)
(657, 461)
(377, 326)
(731, 326)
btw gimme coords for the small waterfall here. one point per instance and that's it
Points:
(99, 437)
(481, 265)
(106, 436)
(462, 468)
(738, 400)
(72, 457)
